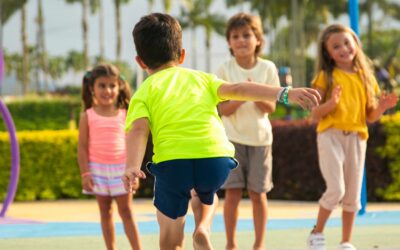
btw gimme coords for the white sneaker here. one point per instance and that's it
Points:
(346, 246)
(316, 241)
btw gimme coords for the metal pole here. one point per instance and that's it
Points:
(353, 14)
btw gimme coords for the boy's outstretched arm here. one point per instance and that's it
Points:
(136, 143)
(305, 97)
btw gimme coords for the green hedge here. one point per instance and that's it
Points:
(391, 150)
(49, 168)
(48, 165)
(43, 114)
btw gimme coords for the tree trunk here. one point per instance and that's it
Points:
(297, 44)
(118, 28)
(101, 31)
(41, 50)
(208, 51)
(194, 48)
(85, 31)
(25, 52)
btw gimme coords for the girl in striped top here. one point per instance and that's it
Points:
(102, 151)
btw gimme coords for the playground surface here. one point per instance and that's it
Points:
(72, 224)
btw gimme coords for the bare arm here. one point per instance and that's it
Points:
(83, 154)
(305, 97)
(266, 106)
(227, 108)
(325, 108)
(385, 102)
(136, 147)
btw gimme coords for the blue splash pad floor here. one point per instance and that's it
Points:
(62, 229)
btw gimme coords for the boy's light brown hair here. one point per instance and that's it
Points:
(242, 20)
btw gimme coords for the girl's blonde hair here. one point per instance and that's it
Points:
(242, 19)
(107, 70)
(361, 63)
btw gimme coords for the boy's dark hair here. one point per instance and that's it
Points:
(107, 70)
(242, 19)
(158, 39)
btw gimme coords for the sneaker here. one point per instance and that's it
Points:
(316, 241)
(346, 246)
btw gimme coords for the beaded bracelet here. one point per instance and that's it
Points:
(279, 94)
(86, 174)
(286, 95)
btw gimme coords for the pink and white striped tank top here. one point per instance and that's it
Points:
(107, 137)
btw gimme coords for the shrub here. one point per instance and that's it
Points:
(43, 114)
(48, 165)
(391, 150)
(49, 168)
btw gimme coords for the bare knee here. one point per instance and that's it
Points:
(257, 198)
(105, 206)
(233, 195)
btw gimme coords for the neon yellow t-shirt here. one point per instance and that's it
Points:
(350, 112)
(180, 105)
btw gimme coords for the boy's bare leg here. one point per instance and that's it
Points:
(231, 216)
(171, 232)
(203, 216)
(260, 215)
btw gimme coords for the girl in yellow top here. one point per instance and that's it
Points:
(348, 89)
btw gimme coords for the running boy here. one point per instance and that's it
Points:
(191, 150)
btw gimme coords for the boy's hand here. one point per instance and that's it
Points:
(130, 178)
(307, 98)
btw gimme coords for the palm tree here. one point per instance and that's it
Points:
(25, 52)
(97, 6)
(390, 8)
(85, 30)
(41, 53)
(197, 14)
(117, 4)
(304, 17)
(7, 9)
(167, 5)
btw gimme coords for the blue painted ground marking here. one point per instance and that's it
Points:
(62, 229)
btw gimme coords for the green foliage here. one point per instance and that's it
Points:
(48, 165)
(288, 112)
(391, 150)
(41, 114)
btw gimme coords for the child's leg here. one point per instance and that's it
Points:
(260, 215)
(231, 215)
(203, 216)
(171, 232)
(131, 230)
(259, 182)
(107, 224)
(347, 228)
(323, 216)
(209, 175)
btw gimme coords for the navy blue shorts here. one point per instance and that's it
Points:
(174, 179)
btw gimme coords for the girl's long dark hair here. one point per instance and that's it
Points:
(107, 70)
